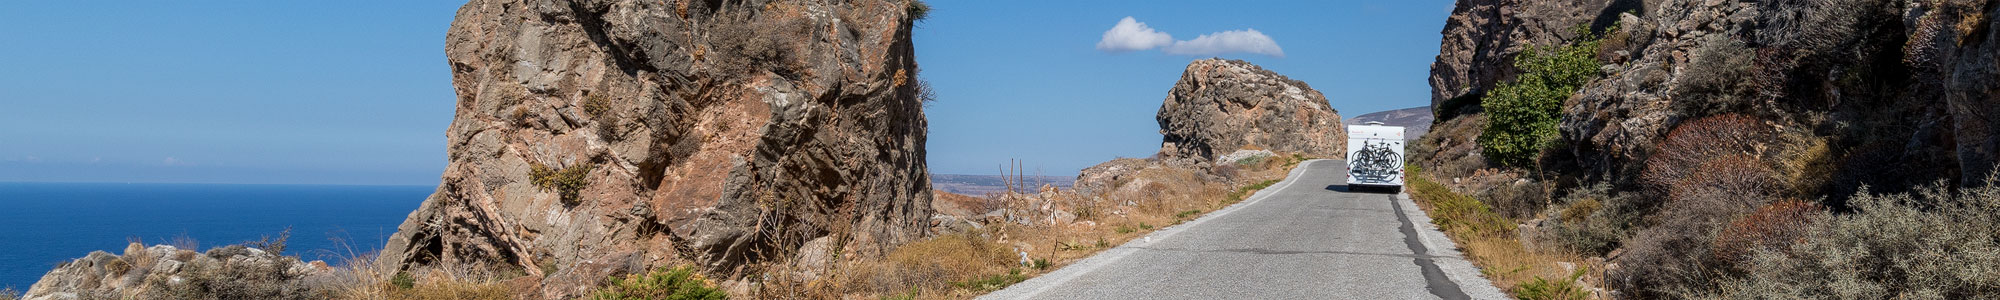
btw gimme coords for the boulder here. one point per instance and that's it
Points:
(1220, 106)
(601, 136)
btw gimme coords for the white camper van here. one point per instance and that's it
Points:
(1375, 156)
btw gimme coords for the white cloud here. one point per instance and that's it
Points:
(1130, 35)
(1233, 41)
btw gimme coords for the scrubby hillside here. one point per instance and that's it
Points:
(1704, 146)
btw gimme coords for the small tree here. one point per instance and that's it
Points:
(1523, 113)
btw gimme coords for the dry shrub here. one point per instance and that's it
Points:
(1449, 150)
(747, 45)
(1932, 243)
(1693, 143)
(1677, 254)
(1772, 227)
(1807, 164)
(244, 279)
(1715, 79)
(363, 279)
(1517, 200)
(935, 263)
(1592, 221)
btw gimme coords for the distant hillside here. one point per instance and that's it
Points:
(1415, 120)
(980, 185)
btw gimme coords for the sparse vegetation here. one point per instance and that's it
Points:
(1524, 112)
(678, 283)
(1932, 243)
(1560, 288)
(918, 10)
(993, 283)
(9, 294)
(567, 182)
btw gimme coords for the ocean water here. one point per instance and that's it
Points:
(45, 224)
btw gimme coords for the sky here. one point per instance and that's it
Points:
(358, 92)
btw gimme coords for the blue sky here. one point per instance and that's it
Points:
(353, 92)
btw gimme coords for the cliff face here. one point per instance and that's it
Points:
(1481, 38)
(1220, 106)
(599, 137)
(1902, 91)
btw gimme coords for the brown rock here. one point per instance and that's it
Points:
(1481, 38)
(1220, 106)
(724, 133)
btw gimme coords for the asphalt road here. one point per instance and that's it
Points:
(1307, 237)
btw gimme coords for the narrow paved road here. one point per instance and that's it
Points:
(1307, 237)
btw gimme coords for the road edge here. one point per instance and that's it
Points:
(1036, 286)
(1446, 255)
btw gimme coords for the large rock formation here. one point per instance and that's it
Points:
(1220, 106)
(595, 137)
(1482, 36)
(1904, 91)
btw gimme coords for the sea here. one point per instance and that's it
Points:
(43, 225)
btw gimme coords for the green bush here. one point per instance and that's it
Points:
(567, 182)
(403, 280)
(1523, 113)
(679, 283)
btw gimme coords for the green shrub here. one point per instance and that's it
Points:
(1124, 229)
(666, 283)
(1542, 288)
(403, 280)
(1523, 113)
(1144, 226)
(1185, 214)
(1042, 264)
(567, 182)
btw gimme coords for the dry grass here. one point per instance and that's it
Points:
(1490, 241)
(362, 278)
(966, 264)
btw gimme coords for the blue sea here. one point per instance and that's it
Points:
(45, 224)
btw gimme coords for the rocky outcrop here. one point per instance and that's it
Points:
(1481, 38)
(1220, 106)
(598, 137)
(166, 272)
(1902, 90)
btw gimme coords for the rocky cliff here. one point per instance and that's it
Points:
(1811, 99)
(1481, 38)
(1220, 106)
(1896, 88)
(596, 137)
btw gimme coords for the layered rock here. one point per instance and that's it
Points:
(1220, 106)
(598, 137)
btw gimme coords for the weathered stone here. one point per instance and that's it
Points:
(723, 133)
(1220, 106)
